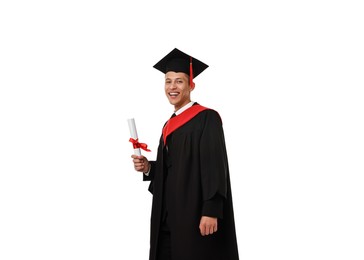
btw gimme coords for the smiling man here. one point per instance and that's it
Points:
(192, 214)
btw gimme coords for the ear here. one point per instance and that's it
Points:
(192, 87)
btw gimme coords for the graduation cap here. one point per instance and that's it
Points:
(179, 61)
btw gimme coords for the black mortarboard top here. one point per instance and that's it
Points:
(179, 61)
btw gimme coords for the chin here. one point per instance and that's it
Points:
(173, 102)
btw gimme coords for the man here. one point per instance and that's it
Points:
(192, 214)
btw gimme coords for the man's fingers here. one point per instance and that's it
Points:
(206, 229)
(139, 166)
(202, 229)
(139, 162)
(211, 230)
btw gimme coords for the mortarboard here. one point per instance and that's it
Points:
(179, 61)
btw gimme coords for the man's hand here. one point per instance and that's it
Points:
(141, 163)
(208, 225)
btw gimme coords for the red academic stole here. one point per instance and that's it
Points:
(175, 122)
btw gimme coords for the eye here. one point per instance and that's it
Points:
(179, 81)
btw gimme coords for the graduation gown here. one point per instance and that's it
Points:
(190, 178)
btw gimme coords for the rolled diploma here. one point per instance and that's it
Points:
(134, 134)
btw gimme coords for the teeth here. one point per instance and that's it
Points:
(173, 94)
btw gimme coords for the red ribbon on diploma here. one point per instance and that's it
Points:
(136, 144)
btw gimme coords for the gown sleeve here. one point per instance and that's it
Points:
(150, 176)
(213, 164)
(213, 207)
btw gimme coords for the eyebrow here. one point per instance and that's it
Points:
(174, 79)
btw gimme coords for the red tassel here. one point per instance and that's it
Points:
(192, 84)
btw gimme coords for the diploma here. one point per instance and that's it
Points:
(134, 138)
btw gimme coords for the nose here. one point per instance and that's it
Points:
(173, 85)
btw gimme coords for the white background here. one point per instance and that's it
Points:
(286, 77)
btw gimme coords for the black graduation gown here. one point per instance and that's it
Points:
(193, 172)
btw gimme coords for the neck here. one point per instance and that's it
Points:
(183, 108)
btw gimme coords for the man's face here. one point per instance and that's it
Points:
(177, 89)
